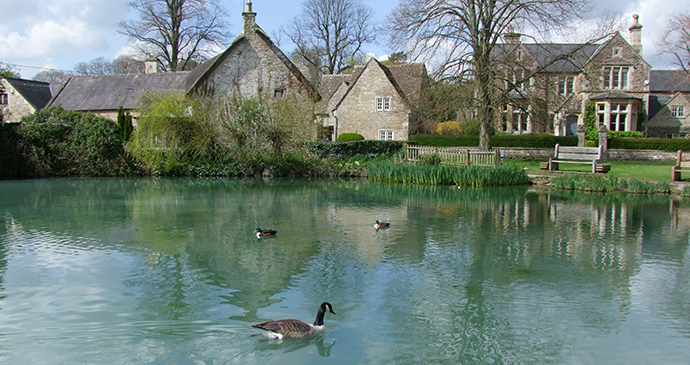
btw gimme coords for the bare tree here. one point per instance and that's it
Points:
(52, 76)
(463, 36)
(676, 39)
(97, 66)
(123, 65)
(329, 34)
(176, 32)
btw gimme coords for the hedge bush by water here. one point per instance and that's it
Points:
(534, 140)
(599, 183)
(354, 148)
(448, 175)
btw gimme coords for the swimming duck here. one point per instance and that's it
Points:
(269, 232)
(381, 224)
(294, 328)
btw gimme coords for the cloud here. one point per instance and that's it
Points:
(40, 32)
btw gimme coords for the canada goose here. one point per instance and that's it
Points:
(269, 232)
(381, 224)
(294, 328)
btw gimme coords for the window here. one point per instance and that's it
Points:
(677, 111)
(616, 77)
(3, 98)
(617, 116)
(565, 85)
(385, 135)
(383, 104)
(520, 121)
(278, 93)
(617, 52)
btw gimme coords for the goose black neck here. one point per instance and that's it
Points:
(319, 317)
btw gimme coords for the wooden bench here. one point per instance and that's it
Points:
(681, 166)
(578, 155)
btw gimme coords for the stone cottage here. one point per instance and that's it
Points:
(669, 93)
(376, 101)
(252, 65)
(19, 97)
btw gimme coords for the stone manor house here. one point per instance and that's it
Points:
(377, 101)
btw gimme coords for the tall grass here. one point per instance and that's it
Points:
(600, 183)
(447, 175)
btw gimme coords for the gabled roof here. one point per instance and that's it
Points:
(614, 95)
(203, 71)
(109, 92)
(407, 73)
(669, 81)
(37, 93)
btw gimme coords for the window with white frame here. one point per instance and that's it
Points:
(616, 77)
(678, 111)
(383, 104)
(565, 85)
(3, 98)
(385, 135)
(617, 116)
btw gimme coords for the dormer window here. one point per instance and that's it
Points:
(617, 52)
(3, 98)
(278, 93)
(677, 111)
(616, 78)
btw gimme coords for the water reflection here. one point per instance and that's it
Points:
(470, 275)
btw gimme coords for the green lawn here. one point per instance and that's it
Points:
(642, 170)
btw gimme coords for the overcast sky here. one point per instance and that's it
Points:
(38, 34)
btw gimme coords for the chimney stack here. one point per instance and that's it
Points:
(249, 19)
(511, 37)
(151, 65)
(636, 34)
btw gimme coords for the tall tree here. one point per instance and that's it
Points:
(97, 66)
(9, 71)
(329, 34)
(52, 76)
(176, 32)
(463, 35)
(676, 39)
(124, 65)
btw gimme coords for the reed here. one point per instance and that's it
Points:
(447, 175)
(600, 183)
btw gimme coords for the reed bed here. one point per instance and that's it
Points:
(447, 175)
(600, 183)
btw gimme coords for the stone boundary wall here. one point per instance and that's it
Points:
(613, 155)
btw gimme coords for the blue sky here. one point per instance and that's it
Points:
(60, 33)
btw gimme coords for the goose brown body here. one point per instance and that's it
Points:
(294, 328)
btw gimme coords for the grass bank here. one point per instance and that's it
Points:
(643, 170)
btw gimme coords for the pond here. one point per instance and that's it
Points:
(169, 271)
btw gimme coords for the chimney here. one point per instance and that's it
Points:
(249, 19)
(151, 65)
(636, 34)
(511, 37)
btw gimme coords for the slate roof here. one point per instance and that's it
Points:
(669, 81)
(37, 93)
(109, 92)
(554, 57)
(614, 95)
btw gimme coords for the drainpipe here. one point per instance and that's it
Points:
(335, 130)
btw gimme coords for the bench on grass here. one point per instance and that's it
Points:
(681, 166)
(578, 155)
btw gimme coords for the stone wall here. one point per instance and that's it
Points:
(17, 107)
(613, 155)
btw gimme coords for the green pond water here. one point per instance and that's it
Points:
(169, 271)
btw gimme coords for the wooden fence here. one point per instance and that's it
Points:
(456, 155)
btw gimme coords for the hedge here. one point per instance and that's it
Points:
(354, 148)
(658, 144)
(533, 140)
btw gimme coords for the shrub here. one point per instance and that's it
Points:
(56, 142)
(449, 128)
(534, 140)
(354, 148)
(347, 137)
(447, 174)
(430, 159)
